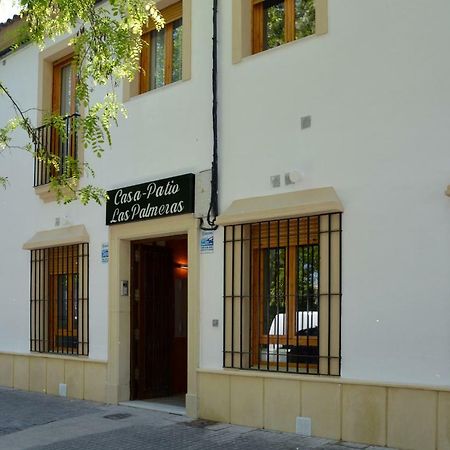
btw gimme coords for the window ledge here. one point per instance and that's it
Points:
(46, 194)
(60, 356)
(74, 234)
(280, 206)
(154, 91)
(286, 46)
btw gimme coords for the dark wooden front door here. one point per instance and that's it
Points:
(152, 303)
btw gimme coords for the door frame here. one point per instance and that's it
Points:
(120, 236)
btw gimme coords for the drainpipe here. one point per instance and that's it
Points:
(213, 210)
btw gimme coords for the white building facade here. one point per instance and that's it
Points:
(323, 297)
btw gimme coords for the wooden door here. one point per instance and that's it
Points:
(151, 320)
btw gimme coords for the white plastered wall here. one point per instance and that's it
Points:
(377, 89)
(376, 86)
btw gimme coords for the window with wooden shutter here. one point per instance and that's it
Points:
(282, 295)
(161, 58)
(276, 22)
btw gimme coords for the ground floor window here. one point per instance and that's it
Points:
(282, 295)
(59, 300)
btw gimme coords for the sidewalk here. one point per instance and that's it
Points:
(43, 422)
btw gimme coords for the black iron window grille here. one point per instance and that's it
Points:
(59, 300)
(282, 295)
(55, 149)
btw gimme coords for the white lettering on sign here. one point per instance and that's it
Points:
(151, 200)
(171, 188)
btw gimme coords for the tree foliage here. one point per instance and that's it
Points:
(106, 42)
(275, 21)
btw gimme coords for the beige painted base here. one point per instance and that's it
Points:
(85, 379)
(405, 417)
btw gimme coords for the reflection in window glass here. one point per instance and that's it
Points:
(177, 39)
(273, 23)
(157, 58)
(66, 90)
(305, 18)
(307, 283)
(274, 291)
(62, 301)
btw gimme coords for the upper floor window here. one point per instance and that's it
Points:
(260, 25)
(161, 58)
(56, 143)
(63, 92)
(276, 22)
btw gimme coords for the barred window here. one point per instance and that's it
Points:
(282, 295)
(59, 300)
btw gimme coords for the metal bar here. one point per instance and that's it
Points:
(329, 293)
(297, 294)
(250, 298)
(31, 300)
(232, 296)
(44, 163)
(46, 299)
(318, 295)
(225, 296)
(267, 294)
(340, 291)
(87, 300)
(287, 277)
(69, 274)
(81, 312)
(260, 301)
(70, 312)
(277, 294)
(241, 299)
(35, 159)
(309, 283)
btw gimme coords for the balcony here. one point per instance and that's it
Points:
(53, 146)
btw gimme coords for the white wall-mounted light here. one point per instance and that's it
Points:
(292, 177)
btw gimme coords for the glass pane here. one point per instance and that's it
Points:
(273, 23)
(62, 301)
(66, 90)
(273, 353)
(177, 38)
(157, 59)
(305, 18)
(274, 291)
(75, 302)
(307, 287)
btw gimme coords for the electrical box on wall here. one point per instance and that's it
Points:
(124, 288)
(202, 193)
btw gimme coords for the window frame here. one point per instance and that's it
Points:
(48, 137)
(58, 67)
(242, 35)
(258, 24)
(171, 14)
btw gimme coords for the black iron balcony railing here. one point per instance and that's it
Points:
(53, 147)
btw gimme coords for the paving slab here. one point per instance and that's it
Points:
(36, 421)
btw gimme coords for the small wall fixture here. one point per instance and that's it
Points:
(447, 191)
(292, 177)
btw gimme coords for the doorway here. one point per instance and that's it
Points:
(158, 318)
